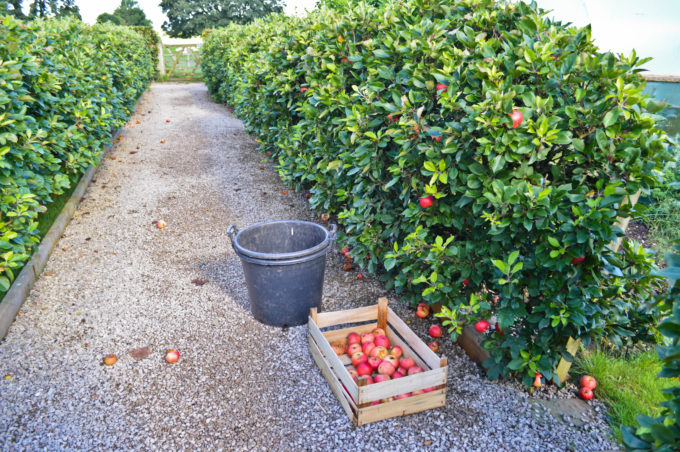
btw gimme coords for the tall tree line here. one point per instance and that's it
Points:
(39, 8)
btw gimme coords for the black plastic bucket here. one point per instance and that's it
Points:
(284, 263)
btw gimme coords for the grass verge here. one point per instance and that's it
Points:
(628, 385)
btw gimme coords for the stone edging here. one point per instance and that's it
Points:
(22, 285)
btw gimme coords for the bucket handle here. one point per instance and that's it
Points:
(231, 232)
(333, 232)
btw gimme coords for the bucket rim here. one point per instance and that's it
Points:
(325, 243)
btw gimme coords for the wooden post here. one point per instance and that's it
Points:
(623, 222)
(563, 366)
(382, 313)
(161, 59)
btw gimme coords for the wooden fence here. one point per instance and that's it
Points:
(179, 61)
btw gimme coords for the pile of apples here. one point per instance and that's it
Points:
(375, 359)
(587, 384)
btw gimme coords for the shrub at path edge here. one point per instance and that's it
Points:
(64, 88)
(377, 108)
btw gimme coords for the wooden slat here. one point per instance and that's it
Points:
(325, 319)
(420, 347)
(402, 407)
(332, 358)
(333, 382)
(379, 391)
(382, 313)
(336, 335)
(563, 366)
(406, 348)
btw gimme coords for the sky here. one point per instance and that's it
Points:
(652, 28)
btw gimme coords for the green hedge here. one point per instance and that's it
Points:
(64, 88)
(152, 40)
(374, 109)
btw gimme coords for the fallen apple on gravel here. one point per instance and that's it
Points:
(423, 310)
(435, 331)
(360, 276)
(162, 141)
(161, 224)
(110, 360)
(344, 251)
(172, 356)
(434, 346)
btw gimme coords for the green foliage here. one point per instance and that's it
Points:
(152, 39)
(109, 18)
(188, 18)
(64, 88)
(131, 14)
(373, 109)
(663, 432)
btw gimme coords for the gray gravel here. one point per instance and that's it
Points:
(115, 283)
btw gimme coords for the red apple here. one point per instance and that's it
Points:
(364, 369)
(434, 346)
(367, 337)
(344, 60)
(418, 392)
(498, 328)
(430, 389)
(360, 276)
(380, 352)
(392, 360)
(397, 374)
(396, 351)
(537, 380)
(339, 347)
(482, 326)
(406, 363)
(403, 396)
(435, 331)
(369, 380)
(402, 371)
(426, 202)
(303, 89)
(375, 402)
(437, 139)
(415, 370)
(586, 393)
(588, 382)
(466, 282)
(577, 260)
(353, 338)
(423, 310)
(389, 399)
(382, 341)
(381, 377)
(379, 332)
(393, 118)
(160, 224)
(517, 118)
(172, 356)
(353, 373)
(354, 348)
(367, 347)
(386, 368)
(359, 357)
(441, 86)
(374, 362)
(345, 251)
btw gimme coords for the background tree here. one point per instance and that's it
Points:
(68, 8)
(187, 18)
(131, 14)
(45, 8)
(11, 8)
(108, 17)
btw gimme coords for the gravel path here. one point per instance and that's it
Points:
(116, 283)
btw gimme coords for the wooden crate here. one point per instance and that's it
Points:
(356, 397)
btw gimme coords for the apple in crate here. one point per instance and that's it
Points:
(406, 363)
(364, 369)
(386, 368)
(392, 360)
(380, 352)
(359, 357)
(353, 348)
(414, 370)
(396, 351)
(353, 338)
(367, 347)
(374, 362)
(367, 337)
(382, 341)
(380, 378)
(379, 332)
